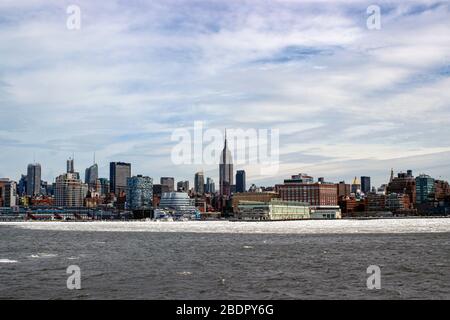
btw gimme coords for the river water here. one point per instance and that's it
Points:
(226, 260)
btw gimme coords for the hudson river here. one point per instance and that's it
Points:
(226, 260)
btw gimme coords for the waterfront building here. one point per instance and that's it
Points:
(70, 191)
(365, 184)
(325, 212)
(119, 172)
(139, 193)
(179, 203)
(33, 179)
(240, 181)
(252, 196)
(425, 188)
(316, 194)
(169, 182)
(275, 209)
(225, 171)
(199, 183)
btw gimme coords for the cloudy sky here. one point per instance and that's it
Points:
(348, 101)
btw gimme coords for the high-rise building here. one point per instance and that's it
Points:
(210, 186)
(169, 182)
(22, 186)
(356, 186)
(199, 183)
(8, 193)
(70, 191)
(104, 186)
(119, 172)
(183, 186)
(425, 188)
(33, 179)
(240, 181)
(225, 170)
(365, 184)
(70, 166)
(344, 189)
(139, 193)
(91, 176)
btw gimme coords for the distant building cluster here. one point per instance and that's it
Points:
(301, 196)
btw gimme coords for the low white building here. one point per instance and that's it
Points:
(276, 209)
(325, 212)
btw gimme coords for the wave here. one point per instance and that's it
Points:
(8, 261)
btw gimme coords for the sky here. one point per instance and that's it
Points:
(347, 100)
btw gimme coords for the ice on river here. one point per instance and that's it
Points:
(416, 225)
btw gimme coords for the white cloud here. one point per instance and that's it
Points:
(337, 91)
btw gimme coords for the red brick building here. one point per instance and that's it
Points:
(316, 194)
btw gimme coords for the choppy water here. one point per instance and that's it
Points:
(126, 261)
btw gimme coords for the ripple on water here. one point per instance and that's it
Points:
(43, 255)
(8, 261)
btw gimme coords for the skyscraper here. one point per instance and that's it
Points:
(365, 184)
(169, 182)
(139, 192)
(425, 188)
(118, 174)
(70, 191)
(104, 186)
(8, 193)
(356, 186)
(33, 179)
(91, 175)
(199, 183)
(210, 186)
(70, 166)
(225, 170)
(240, 181)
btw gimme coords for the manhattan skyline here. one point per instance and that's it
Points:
(348, 101)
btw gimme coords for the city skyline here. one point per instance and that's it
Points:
(347, 100)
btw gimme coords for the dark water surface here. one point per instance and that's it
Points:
(146, 265)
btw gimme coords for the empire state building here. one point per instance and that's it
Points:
(226, 170)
